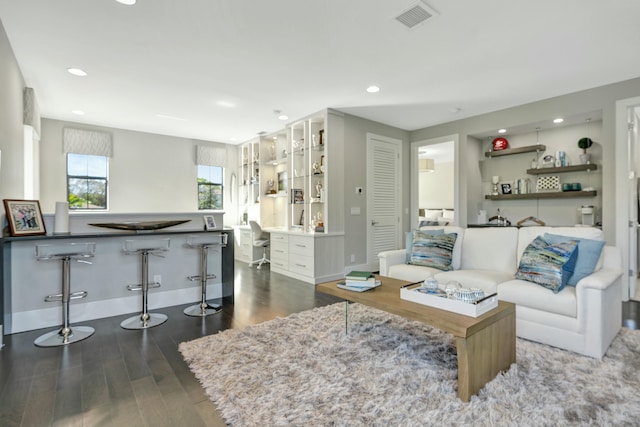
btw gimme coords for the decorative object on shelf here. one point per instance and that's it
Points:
(548, 183)
(561, 159)
(506, 188)
(500, 144)
(548, 161)
(532, 219)
(316, 168)
(24, 217)
(140, 226)
(523, 186)
(209, 222)
(272, 149)
(314, 140)
(534, 163)
(500, 220)
(585, 143)
(301, 222)
(318, 189)
(271, 189)
(587, 215)
(321, 136)
(495, 180)
(297, 196)
(571, 186)
(282, 182)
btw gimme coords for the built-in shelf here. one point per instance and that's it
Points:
(518, 150)
(550, 195)
(563, 169)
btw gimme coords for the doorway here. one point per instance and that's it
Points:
(434, 191)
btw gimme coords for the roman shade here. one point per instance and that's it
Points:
(89, 142)
(211, 156)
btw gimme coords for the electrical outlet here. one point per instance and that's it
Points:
(157, 278)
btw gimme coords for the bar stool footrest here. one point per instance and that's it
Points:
(139, 287)
(53, 298)
(194, 278)
(78, 295)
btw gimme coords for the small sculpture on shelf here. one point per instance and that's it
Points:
(584, 143)
(318, 189)
(316, 168)
(495, 180)
(271, 189)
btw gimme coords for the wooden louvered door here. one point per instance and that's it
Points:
(384, 196)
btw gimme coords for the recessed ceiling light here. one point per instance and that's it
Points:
(283, 117)
(127, 2)
(78, 112)
(77, 72)
(558, 120)
(502, 131)
(373, 89)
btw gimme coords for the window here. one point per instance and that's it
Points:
(87, 181)
(210, 187)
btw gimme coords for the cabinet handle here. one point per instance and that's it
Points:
(301, 246)
(301, 265)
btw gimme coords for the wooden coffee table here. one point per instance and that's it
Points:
(486, 345)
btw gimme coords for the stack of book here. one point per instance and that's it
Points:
(359, 281)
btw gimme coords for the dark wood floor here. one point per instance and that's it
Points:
(134, 378)
(138, 378)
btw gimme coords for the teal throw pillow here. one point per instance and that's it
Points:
(589, 251)
(430, 250)
(409, 239)
(548, 265)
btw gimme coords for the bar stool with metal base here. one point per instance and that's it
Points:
(144, 248)
(79, 252)
(204, 243)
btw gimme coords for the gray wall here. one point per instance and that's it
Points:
(355, 175)
(598, 99)
(11, 129)
(147, 173)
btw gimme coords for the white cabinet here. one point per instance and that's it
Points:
(312, 258)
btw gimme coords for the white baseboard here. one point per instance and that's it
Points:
(79, 311)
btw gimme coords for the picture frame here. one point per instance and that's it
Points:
(282, 182)
(24, 217)
(506, 188)
(209, 222)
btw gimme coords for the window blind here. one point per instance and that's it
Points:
(89, 142)
(211, 156)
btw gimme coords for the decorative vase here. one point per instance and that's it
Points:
(585, 158)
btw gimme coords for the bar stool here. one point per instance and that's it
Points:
(144, 248)
(79, 252)
(204, 243)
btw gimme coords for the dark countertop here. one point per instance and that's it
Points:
(109, 234)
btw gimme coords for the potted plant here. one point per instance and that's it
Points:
(584, 143)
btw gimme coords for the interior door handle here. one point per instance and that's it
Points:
(374, 222)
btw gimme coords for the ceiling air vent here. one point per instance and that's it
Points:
(415, 15)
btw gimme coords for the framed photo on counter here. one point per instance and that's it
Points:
(24, 217)
(209, 222)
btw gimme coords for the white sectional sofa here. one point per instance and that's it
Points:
(583, 318)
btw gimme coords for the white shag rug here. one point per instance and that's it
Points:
(389, 371)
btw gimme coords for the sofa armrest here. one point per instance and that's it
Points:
(389, 258)
(601, 279)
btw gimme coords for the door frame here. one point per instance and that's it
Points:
(622, 178)
(398, 143)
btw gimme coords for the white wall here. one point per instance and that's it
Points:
(436, 188)
(147, 173)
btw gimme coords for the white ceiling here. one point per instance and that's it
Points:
(223, 67)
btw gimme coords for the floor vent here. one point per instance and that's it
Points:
(415, 15)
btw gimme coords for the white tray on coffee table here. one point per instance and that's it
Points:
(440, 300)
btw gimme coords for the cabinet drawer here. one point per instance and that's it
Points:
(280, 238)
(279, 252)
(301, 265)
(282, 264)
(300, 246)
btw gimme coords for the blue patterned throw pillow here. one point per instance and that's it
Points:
(588, 255)
(548, 265)
(409, 238)
(432, 251)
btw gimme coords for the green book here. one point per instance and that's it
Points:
(358, 275)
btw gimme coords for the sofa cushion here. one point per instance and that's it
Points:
(411, 273)
(486, 280)
(491, 248)
(588, 255)
(549, 265)
(457, 248)
(528, 294)
(433, 250)
(409, 238)
(527, 234)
